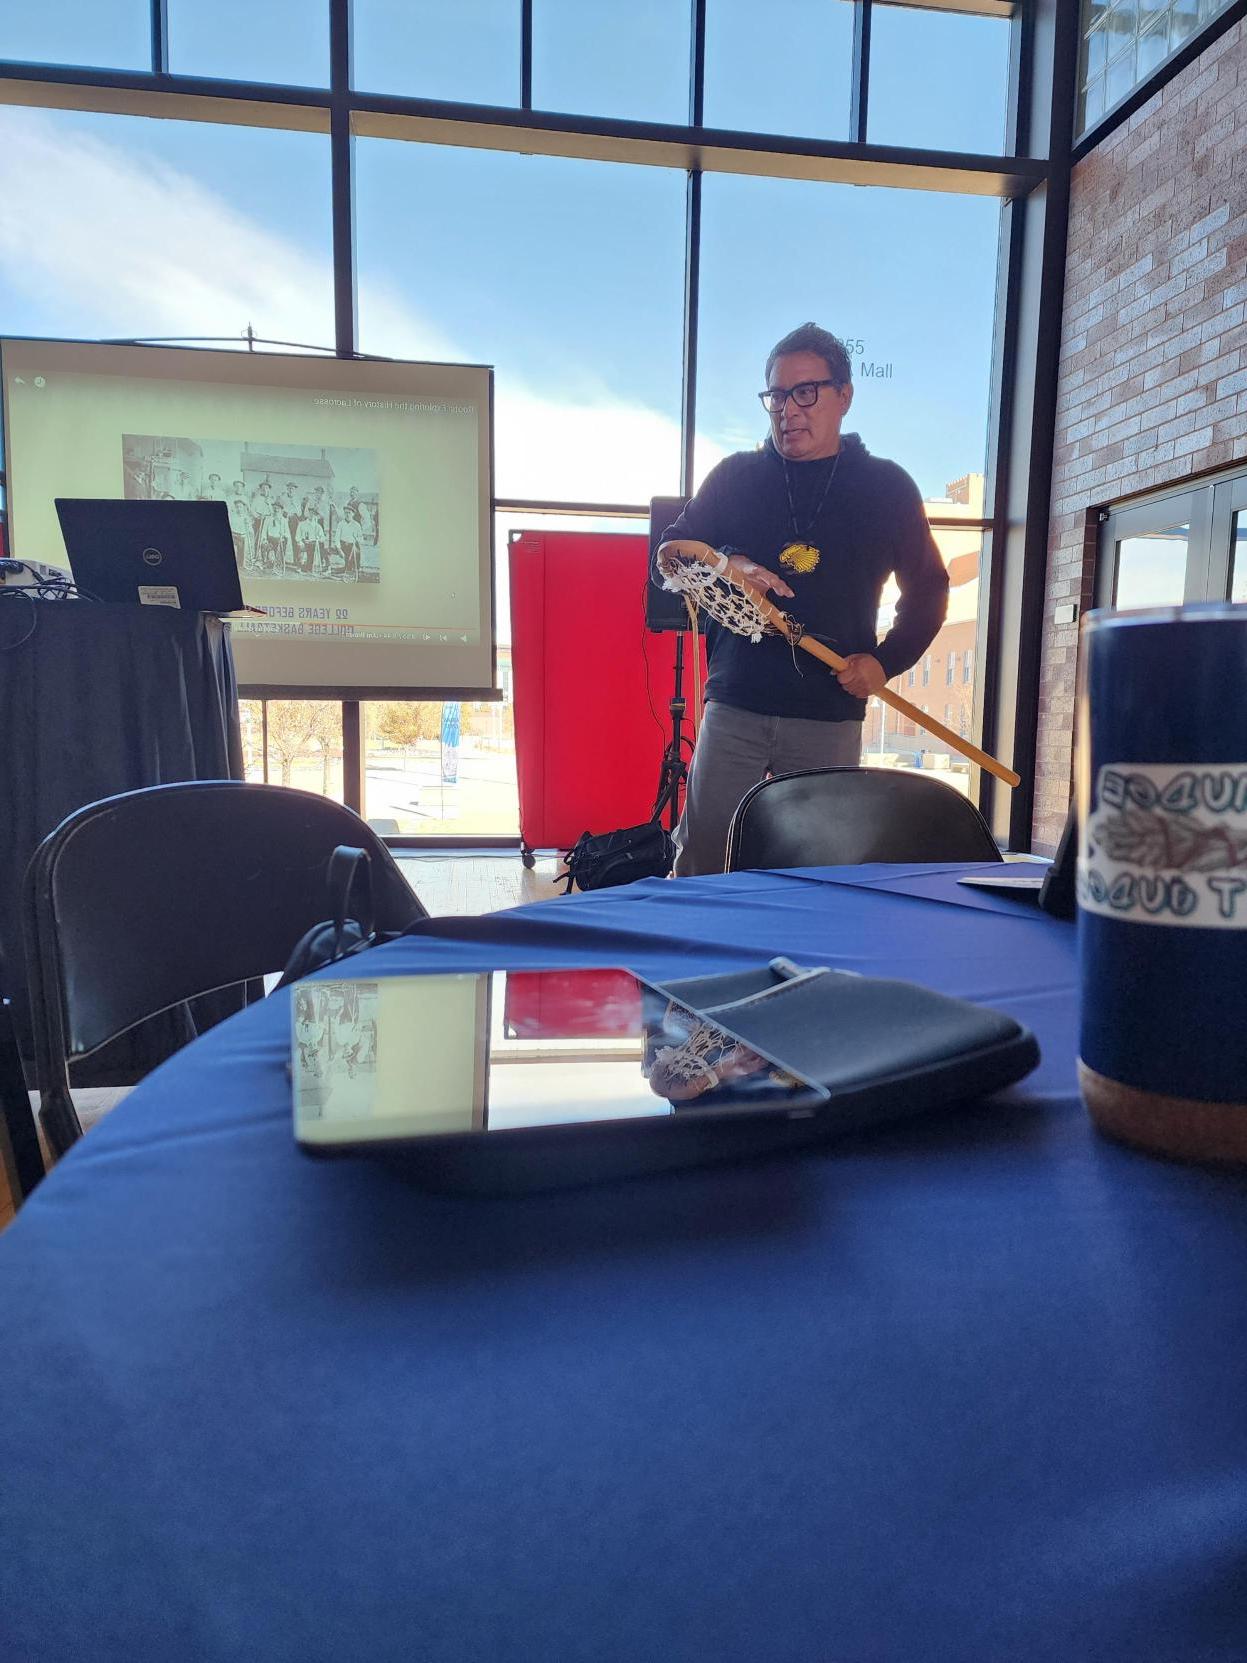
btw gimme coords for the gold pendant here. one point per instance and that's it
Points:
(800, 557)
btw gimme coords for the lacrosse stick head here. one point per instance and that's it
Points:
(702, 575)
(700, 1060)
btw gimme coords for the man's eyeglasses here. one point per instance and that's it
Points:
(804, 394)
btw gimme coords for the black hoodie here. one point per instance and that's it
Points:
(871, 524)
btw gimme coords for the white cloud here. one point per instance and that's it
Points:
(116, 241)
(111, 236)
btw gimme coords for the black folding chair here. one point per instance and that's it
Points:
(846, 816)
(20, 1154)
(140, 902)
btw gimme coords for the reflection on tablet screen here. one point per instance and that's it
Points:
(423, 1056)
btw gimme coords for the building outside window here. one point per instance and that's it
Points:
(890, 740)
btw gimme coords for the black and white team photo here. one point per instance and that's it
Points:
(297, 512)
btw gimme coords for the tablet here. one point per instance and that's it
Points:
(1024, 885)
(519, 1080)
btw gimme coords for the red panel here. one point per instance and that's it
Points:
(589, 681)
(572, 1004)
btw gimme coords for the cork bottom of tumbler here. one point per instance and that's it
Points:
(1183, 1127)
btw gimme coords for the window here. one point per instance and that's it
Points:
(565, 274)
(1238, 565)
(283, 41)
(468, 52)
(760, 80)
(441, 767)
(912, 50)
(967, 665)
(1124, 41)
(534, 264)
(109, 34)
(1155, 553)
(628, 61)
(953, 645)
(293, 742)
(257, 198)
(1179, 547)
(914, 401)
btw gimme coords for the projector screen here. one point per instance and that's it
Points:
(359, 493)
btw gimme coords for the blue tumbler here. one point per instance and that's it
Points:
(1162, 878)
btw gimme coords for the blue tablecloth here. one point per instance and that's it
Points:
(965, 1389)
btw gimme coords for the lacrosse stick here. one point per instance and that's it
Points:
(703, 575)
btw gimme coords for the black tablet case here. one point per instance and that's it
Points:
(884, 1050)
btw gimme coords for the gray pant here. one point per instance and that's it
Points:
(737, 748)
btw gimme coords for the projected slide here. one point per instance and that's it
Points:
(359, 496)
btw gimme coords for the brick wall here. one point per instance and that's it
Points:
(1153, 378)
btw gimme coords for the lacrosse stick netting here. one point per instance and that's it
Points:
(707, 588)
(721, 598)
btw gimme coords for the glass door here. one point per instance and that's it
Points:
(1238, 553)
(1156, 554)
(1227, 574)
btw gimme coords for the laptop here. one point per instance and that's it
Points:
(152, 553)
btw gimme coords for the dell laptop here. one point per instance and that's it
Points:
(152, 553)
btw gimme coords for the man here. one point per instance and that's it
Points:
(350, 535)
(311, 536)
(240, 528)
(814, 520)
(259, 514)
(333, 523)
(288, 502)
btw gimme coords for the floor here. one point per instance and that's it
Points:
(468, 883)
(472, 883)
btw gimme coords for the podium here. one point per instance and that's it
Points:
(96, 699)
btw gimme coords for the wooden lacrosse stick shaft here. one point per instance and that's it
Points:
(692, 550)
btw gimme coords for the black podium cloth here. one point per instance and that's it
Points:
(97, 699)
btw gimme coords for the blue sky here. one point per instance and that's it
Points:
(566, 275)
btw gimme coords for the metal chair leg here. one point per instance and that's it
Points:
(19, 1141)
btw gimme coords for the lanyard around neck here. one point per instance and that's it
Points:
(797, 532)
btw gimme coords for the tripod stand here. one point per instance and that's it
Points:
(673, 770)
